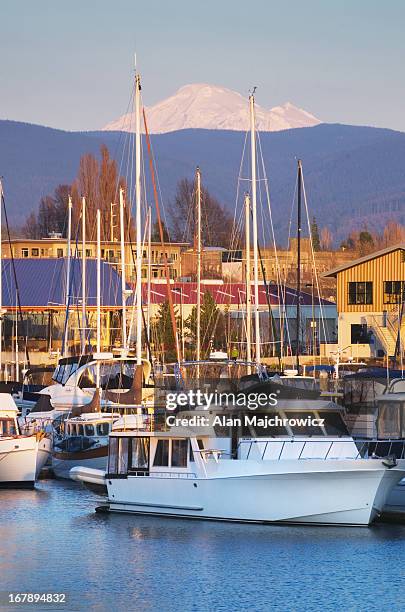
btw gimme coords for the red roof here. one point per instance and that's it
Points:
(227, 293)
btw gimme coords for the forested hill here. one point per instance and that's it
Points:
(354, 176)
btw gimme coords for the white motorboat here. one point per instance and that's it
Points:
(75, 383)
(235, 471)
(22, 456)
(84, 442)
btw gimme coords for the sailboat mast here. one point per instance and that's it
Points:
(298, 296)
(68, 249)
(68, 259)
(123, 276)
(98, 281)
(149, 278)
(254, 219)
(83, 276)
(1, 283)
(248, 281)
(138, 228)
(198, 243)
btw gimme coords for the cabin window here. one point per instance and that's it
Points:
(162, 454)
(360, 293)
(179, 453)
(301, 424)
(7, 427)
(259, 427)
(59, 253)
(89, 430)
(333, 423)
(113, 456)
(123, 456)
(24, 253)
(394, 292)
(389, 420)
(35, 252)
(140, 454)
(103, 429)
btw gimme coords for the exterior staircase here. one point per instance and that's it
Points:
(385, 329)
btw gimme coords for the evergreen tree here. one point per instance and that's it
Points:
(164, 331)
(155, 234)
(366, 242)
(316, 242)
(212, 324)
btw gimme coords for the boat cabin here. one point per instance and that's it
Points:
(85, 431)
(115, 373)
(189, 447)
(8, 416)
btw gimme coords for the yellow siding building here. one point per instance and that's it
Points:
(370, 297)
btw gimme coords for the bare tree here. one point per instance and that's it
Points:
(215, 219)
(326, 239)
(97, 181)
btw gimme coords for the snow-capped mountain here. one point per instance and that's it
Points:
(213, 108)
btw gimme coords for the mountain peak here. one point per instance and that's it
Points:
(212, 107)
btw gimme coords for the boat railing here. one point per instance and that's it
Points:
(293, 449)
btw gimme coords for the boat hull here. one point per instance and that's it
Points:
(63, 462)
(18, 461)
(44, 453)
(350, 494)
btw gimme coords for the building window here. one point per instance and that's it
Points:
(394, 292)
(361, 293)
(35, 252)
(359, 334)
(24, 253)
(59, 252)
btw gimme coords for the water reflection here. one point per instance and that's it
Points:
(51, 539)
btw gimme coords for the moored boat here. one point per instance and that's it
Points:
(84, 442)
(241, 472)
(22, 456)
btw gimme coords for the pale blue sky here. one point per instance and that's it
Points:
(69, 64)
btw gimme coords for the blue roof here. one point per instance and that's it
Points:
(42, 283)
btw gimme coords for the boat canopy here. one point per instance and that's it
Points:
(7, 403)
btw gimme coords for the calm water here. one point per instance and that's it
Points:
(51, 540)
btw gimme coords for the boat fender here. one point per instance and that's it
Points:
(390, 461)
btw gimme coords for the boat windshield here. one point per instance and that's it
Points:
(64, 371)
(307, 423)
(113, 375)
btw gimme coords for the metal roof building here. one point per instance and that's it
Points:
(42, 284)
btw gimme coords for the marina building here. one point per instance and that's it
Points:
(55, 247)
(370, 303)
